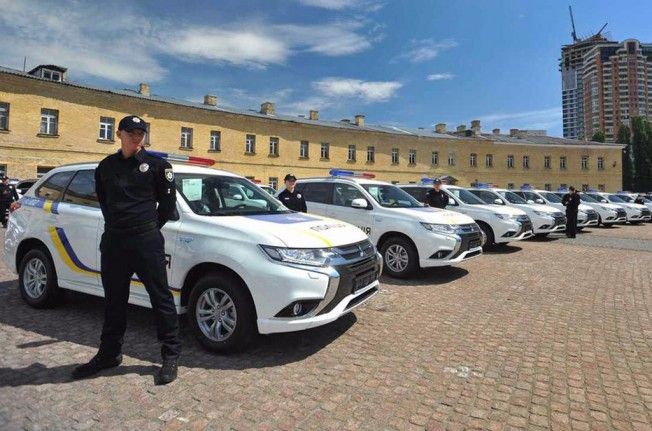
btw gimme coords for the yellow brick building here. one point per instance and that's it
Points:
(46, 121)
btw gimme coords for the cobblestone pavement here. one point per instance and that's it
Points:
(547, 334)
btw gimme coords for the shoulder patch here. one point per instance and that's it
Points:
(169, 175)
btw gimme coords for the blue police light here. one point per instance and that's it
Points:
(426, 180)
(592, 190)
(562, 190)
(345, 173)
(482, 185)
(526, 187)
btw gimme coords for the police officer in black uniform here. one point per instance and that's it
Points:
(290, 198)
(129, 185)
(571, 201)
(436, 197)
(7, 196)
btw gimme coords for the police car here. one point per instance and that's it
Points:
(636, 213)
(408, 234)
(500, 224)
(586, 216)
(234, 266)
(545, 219)
(631, 198)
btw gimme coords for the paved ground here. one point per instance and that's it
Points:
(546, 334)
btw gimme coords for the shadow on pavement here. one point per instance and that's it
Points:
(428, 276)
(79, 320)
(502, 249)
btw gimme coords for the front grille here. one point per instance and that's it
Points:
(621, 213)
(469, 241)
(591, 215)
(523, 219)
(559, 220)
(646, 213)
(354, 276)
(468, 228)
(362, 249)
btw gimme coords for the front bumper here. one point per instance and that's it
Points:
(451, 249)
(523, 231)
(549, 224)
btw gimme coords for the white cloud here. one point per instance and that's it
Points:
(371, 5)
(367, 91)
(331, 40)
(536, 119)
(426, 49)
(440, 76)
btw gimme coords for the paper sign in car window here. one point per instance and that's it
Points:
(192, 188)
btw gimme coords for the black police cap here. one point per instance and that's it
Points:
(290, 177)
(132, 122)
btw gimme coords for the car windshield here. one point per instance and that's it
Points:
(616, 198)
(513, 198)
(531, 196)
(486, 195)
(551, 197)
(214, 195)
(391, 196)
(598, 198)
(587, 198)
(466, 196)
(626, 198)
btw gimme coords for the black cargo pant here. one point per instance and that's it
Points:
(571, 223)
(124, 254)
(4, 206)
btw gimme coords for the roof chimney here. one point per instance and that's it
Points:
(359, 120)
(143, 89)
(475, 126)
(496, 131)
(461, 128)
(314, 115)
(513, 132)
(210, 100)
(440, 128)
(267, 108)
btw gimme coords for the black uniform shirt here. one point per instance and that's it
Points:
(8, 193)
(437, 199)
(571, 201)
(129, 189)
(294, 201)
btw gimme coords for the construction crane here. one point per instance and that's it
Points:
(573, 34)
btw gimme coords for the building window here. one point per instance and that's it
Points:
(547, 187)
(303, 150)
(600, 163)
(473, 160)
(106, 128)
(371, 154)
(250, 144)
(451, 159)
(146, 142)
(585, 162)
(325, 150)
(42, 170)
(510, 161)
(510, 186)
(526, 162)
(546, 162)
(435, 158)
(394, 156)
(215, 143)
(601, 187)
(4, 116)
(351, 155)
(412, 157)
(186, 137)
(52, 75)
(562, 162)
(585, 187)
(273, 147)
(563, 186)
(489, 161)
(273, 182)
(49, 121)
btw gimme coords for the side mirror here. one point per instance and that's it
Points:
(604, 201)
(540, 201)
(359, 203)
(452, 202)
(530, 201)
(237, 197)
(499, 201)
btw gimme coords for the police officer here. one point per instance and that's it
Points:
(290, 198)
(436, 197)
(7, 196)
(571, 201)
(640, 199)
(129, 185)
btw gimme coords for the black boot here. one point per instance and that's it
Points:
(95, 365)
(168, 371)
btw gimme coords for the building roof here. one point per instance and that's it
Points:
(48, 66)
(389, 129)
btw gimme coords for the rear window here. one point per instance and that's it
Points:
(317, 192)
(54, 186)
(81, 190)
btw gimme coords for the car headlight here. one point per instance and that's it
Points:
(608, 209)
(301, 256)
(442, 228)
(505, 216)
(542, 213)
(580, 212)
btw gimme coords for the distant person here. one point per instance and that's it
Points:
(290, 197)
(436, 197)
(640, 199)
(8, 195)
(571, 201)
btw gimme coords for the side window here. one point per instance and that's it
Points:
(318, 192)
(81, 190)
(54, 186)
(343, 194)
(417, 193)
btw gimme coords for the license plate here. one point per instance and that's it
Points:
(364, 279)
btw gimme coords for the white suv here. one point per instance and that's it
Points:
(545, 219)
(586, 216)
(500, 224)
(636, 213)
(232, 243)
(407, 234)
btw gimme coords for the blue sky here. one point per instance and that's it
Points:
(413, 63)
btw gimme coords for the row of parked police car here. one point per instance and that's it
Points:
(282, 271)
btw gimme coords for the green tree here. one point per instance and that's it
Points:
(624, 137)
(641, 142)
(599, 136)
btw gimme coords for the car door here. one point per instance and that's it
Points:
(317, 195)
(341, 209)
(77, 233)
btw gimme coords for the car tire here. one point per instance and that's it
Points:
(37, 279)
(489, 232)
(400, 257)
(221, 313)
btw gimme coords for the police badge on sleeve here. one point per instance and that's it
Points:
(169, 175)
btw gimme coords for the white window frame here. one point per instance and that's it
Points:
(451, 159)
(49, 122)
(510, 161)
(186, 137)
(4, 116)
(325, 151)
(434, 158)
(250, 144)
(547, 187)
(473, 160)
(489, 161)
(584, 163)
(371, 154)
(273, 146)
(395, 156)
(215, 141)
(273, 182)
(547, 162)
(350, 156)
(563, 162)
(303, 149)
(600, 163)
(526, 162)
(412, 157)
(107, 125)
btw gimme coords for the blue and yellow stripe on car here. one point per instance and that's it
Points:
(49, 206)
(72, 261)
